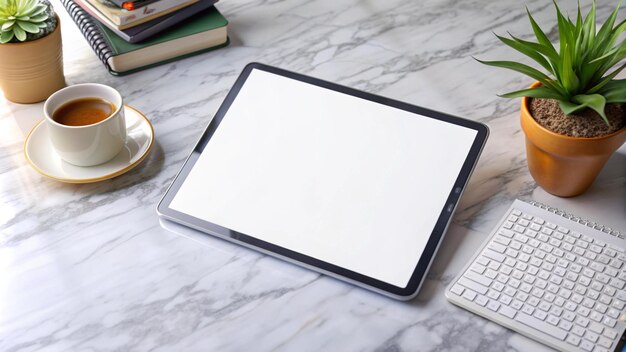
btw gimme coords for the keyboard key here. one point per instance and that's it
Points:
(576, 298)
(539, 314)
(506, 233)
(569, 239)
(502, 240)
(597, 267)
(617, 304)
(581, 290)
(611, 272)
(469, 295)
(582, 311)
(573, 340)
(493, 305)
(491, 274)
(505, 299)
(478, 278)
(565, 325)
(588, 303)
(601, 308)
(617, 283)
(556, 311)
(569, 316)
(596, 248)
(571, 306)
(610, 252)
(457, 289)
(562, 230)
(493, 294)
(521, 296)
(584, 280)
(604, 342)
(545, 306)
(482, 300)
(609, 322)
(517, 304)
(582, 244)
(595, 327)
(605, 299)
(494, 255)
(587, 345)
(578, 330)
(510, 291)
(497, 247)
(596, 317)
(482, 261)
(610, 334)
(553, 331)
(533, 301)
(593, 337)
(472, 285)
(528, 309)
(559, 301)
(553, 320)
(610, 291)
(613, 313)
(507, 311)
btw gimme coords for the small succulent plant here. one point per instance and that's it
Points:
(25, 20)
(577, 74)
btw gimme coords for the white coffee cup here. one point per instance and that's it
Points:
(87, 145)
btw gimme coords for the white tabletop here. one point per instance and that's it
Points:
(88, 267)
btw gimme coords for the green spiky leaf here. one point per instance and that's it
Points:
(582, 73)
(594, 101)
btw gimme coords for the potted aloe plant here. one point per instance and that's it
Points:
(574, 115)
(31, 59)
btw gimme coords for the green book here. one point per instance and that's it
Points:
(203, 32)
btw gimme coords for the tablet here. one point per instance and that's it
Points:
(347, 183)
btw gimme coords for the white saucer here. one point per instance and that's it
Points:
(42, 157)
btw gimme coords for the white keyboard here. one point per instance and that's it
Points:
(550, 278)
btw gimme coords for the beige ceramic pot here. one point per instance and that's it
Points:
(562, 165)
(31, 71)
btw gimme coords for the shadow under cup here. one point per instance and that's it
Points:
(87, 145)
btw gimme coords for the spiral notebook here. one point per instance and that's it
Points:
(143, 31)
(549, 275)
(201, 33)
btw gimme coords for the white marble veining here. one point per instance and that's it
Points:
(89, 268)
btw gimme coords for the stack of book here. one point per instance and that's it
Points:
(130, 35)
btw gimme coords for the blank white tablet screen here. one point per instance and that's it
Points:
(348, 181)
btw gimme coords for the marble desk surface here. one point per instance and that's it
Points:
(89, 268)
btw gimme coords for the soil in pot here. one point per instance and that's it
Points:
(583, 124)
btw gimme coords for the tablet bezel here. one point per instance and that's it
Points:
(248, 240)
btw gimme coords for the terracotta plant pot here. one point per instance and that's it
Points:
(562, 165)
(31, 71)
